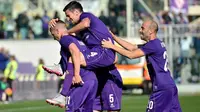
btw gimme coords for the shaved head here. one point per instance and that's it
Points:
(59, 25)
(152, 25)
(148, 30)
(58, 30)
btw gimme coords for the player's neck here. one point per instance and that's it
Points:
(153, 36)
(65, 33)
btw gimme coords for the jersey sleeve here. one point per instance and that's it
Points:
(148, 48)
(66, 41)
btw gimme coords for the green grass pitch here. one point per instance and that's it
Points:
(130, 103)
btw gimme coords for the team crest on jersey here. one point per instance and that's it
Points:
(92, 54)
(112, 105)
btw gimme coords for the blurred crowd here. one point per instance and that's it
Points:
(187, 58)
(169, 17)
(25, 27)
(4, 58)
(8, 66)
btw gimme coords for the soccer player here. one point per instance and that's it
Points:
(165, 94)
(79, 97)
(109, 91)
(93, 31)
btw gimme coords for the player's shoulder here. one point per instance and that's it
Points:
(66, 38)
(86, 14)
(155, 42)
(158, 45)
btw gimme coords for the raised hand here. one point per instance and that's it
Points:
(52, 22)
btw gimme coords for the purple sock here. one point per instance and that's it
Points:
(68, 79)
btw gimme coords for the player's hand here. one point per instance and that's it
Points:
(77, 80)
(52, 22)
(107, 43)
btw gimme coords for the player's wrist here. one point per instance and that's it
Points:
(112, 46)
(76, 75)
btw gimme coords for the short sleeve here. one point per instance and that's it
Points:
(65, 41)
(148, 48)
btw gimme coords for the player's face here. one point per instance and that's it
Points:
(72, 16)
(144, 31)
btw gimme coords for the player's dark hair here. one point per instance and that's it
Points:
(73, 5)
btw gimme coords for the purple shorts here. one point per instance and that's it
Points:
(109, 92)
(98, 57)
(164, 101)
(81, 98)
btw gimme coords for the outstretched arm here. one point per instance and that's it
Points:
(124, 43)
(85, 23)
(128, 53)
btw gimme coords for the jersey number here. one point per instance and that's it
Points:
(150, 105)
(166, 61)
(111, 98)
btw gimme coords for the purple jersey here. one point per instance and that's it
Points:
(65, 41)
(156, 56)
(97, 31)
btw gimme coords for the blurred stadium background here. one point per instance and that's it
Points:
(24, 34)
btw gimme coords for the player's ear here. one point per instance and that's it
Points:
(150, 31)
(57, 31)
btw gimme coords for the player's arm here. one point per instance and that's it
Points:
(128, 53)
(75, 54)
(85, 23)
(124, 43)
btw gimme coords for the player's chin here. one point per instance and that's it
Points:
(141, 37)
